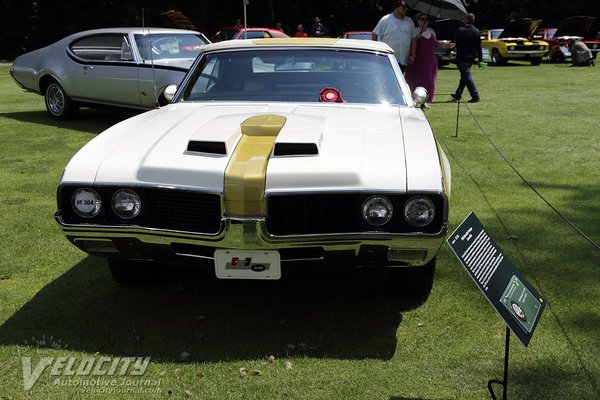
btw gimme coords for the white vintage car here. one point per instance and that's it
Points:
(273, 154)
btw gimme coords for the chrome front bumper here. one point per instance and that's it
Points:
(183, 247)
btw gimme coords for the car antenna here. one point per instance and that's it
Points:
(151, 59)
(153, 72)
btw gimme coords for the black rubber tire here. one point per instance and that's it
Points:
(58, 104)
(497, 59)
(556, 56)
(133, 272)
(535, 61)
(413, 281)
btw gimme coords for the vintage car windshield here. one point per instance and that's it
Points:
(298, 75)
(169, 45)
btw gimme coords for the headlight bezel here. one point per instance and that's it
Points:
(137, 204)
(377, 201)
(97, 205)
(409, 206)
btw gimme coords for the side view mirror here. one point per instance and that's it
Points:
(170, 91)
(419, 96)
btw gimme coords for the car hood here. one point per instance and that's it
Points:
(575, 26)
(446, 28)
(190, 146)
(184, 63)
(522, 28)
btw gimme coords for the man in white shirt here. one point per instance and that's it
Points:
(399, 32)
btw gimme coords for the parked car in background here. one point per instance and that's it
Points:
(126, 67)
(362, 35)
(545, 34)
(444, 31)
(230, 33)
(273, 154)
(513, 43)
(570, 29)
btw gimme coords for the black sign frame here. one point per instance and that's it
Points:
(507, 290)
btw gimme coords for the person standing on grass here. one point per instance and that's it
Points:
(423, 72)
(399, 32)
(468, 50)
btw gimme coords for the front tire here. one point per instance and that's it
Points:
(413, 281)
(535, 61)
(556, 56)
(133, 272)
(58, 103)
(497, 59)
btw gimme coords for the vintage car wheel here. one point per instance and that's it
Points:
(497, 59)
(58, 103)
(556, 57)
(133, 272)
(413, 281)
(535, 61)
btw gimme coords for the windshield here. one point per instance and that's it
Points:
(157, 46)
(495, 33)
(296, 75)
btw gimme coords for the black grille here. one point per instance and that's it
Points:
(530, 47)
(179, 210)
(339, 213)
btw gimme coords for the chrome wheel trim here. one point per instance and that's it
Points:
(55, 99)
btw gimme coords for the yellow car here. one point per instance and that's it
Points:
(513, 43)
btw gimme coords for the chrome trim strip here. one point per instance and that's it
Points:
(144, 185)
(136, 229)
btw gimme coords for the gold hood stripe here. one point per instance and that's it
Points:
(245, 174)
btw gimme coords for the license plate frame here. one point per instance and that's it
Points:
(247, 264)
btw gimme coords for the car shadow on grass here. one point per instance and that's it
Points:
(87, 119)
(194, 317)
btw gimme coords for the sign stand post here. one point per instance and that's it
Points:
(503, 382)
(457, 115)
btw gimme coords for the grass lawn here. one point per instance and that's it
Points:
(330, 337)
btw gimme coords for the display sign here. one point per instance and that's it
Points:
(507, 290)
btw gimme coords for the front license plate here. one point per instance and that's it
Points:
(247, 264)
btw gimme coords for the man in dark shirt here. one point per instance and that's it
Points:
(468, 50)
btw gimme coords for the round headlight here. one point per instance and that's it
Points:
(419, 211)
(126, 204)
(377, 210)
(86, 203)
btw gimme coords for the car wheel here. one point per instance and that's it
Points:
(133, 272)
(58, 103)
(535, 61)
(556, 57)
(497, 59)
(413, 281)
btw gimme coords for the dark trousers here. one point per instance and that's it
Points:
(466, 80)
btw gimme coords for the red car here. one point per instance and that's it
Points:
(363, 35)
(231, 32)
(559, 39)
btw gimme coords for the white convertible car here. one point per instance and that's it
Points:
(273, 154)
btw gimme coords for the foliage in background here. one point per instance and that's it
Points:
(27, 24)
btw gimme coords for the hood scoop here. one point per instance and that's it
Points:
(295, 149)
(202, 146)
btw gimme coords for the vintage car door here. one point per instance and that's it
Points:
(109, 72)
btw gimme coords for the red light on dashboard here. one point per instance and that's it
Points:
(331, 95)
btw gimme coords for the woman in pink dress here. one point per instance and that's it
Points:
(423, 71)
